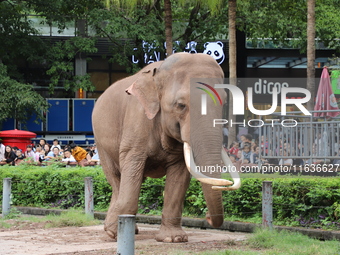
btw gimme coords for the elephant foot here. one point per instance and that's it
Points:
(111, 234)
(171, 235)
(111, 231)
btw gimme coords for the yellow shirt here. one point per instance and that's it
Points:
(79, 153)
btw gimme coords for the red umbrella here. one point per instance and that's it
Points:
(325, 99)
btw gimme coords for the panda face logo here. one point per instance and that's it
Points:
(215, 49)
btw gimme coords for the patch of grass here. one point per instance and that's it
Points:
(4, 224)
(255, 219)
(32, 218)
(284, 242)
(266, 242)
(14, 213)
(230, 252)
(71, 218)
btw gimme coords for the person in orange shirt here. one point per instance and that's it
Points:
(79, 154)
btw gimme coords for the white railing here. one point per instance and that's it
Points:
(300, 137)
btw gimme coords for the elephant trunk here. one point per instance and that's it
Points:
(209, 178)
(213, 198)
(196, 172)
(211, 182)
(202, 143)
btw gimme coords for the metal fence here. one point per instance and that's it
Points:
(300, 137)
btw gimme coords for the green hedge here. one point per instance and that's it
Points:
(54, 186)
(306, 201)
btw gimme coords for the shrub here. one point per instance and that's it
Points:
(305, 201)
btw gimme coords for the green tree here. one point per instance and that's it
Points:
(21, 45)
(232, 64)
(281, 21)
(19, 100)
(145, 23)
(284, 23)
(18, 38)
(311, 51)
(60, 62)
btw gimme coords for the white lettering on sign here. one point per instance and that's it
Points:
(213, 49)
(65, 137)
(191, 47)
(266, 87)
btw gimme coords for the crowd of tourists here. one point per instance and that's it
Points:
(44, 154)
(247, 150)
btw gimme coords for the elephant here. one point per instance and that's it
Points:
(145, 126)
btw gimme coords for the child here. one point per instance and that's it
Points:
(255, 156)
(246, 155)
(53, 155)
(245, 140)
(239, 155)
(41, 154)
(68, 157)
(29, 153)
(55, 144)
(234, 149)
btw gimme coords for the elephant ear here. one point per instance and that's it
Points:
(145, 90)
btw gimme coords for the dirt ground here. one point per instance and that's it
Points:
(34, 239)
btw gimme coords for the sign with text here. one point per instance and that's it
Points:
(151, 54)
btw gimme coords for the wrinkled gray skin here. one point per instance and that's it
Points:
(141, 133)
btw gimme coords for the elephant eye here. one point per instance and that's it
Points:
(181, 106)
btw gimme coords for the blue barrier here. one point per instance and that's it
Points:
(57, 117)
(9, 124)
(82, 113)
(58, 121)
(32, 126)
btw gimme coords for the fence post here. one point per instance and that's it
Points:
(267, 204)
(89, 196)
(126, 234)
(6, 196)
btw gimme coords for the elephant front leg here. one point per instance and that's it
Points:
(126, 202)
(110, 224)
(176, 185)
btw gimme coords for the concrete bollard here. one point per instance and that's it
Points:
(267, 204)
(126, 234)
(6, 196)
(89, 196)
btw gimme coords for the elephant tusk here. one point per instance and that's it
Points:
(234, 174)
(190, 163)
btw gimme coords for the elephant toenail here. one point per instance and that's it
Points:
(111, 234)
(178, 239)
(167, 240)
